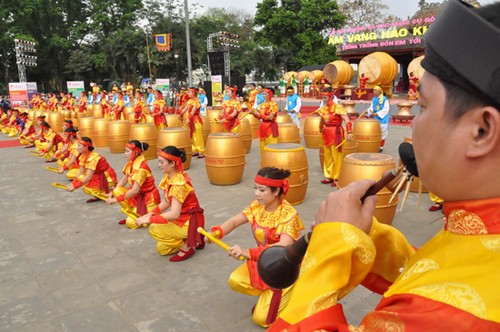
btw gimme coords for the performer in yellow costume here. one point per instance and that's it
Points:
(274, 222)
(194, 122)
(231, 108)
(267, 112)
(50, 141)
(68, 161)
(333, 136)
(451, 282)
(140, 107)
(95, 174)
(174, 222)
(159, 110)
(28, 129)
(141, 195)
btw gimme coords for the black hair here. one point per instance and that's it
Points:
(141, 145)
(45, 124)
(175, 152)
(69, 121)
(88, 140)
(71, 130)
(274, 173)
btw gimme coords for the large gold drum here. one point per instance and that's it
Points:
(312, 135)
(360, 166)
(316, 75)
(282, 117)
(85, 125)
(145, 132)
(31, 116)
(173, 120)
(97, 111)
(292, 157)
(367, 133)
(225, 158)
(301, 76)
(338, 72)
(213, 116)
(415, 67)
(246, 134)
(288, 76)
(254, 123)
(55, 120)
(379, 67)
(100, 132)
(178, 137)
(288, 133)
(118, 135)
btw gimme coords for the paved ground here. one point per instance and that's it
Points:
(67, 266)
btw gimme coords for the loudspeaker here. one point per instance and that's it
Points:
(216, 60)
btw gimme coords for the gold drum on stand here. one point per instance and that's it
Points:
(312, 135)
(55, 120)
(282, 117)
(246, 134)
(178, 137)
(213, 115)
(173, 120)
(288, 133)
(360, 166)
(100, 132)
(367, 133)
(225, 158)
(146, 132)
(85, 125)
(118, 135)
(292, 157)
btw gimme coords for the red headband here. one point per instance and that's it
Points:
(171, 157)
(134, 148)
(87, 144)
(281, 183)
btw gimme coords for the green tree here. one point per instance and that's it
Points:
(364, 12)
(298, 27)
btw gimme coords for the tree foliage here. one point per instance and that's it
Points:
(363, 12)
(298, 27)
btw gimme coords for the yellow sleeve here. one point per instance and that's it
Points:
(180, 192)
(140, 176)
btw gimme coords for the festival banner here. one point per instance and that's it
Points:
(163, 85)
(163, 41)
(18, 93)
(216, 87)
(31, 89)
(75, 87)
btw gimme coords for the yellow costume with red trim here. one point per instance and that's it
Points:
(267, 227)
(450, 284)
(332, 133)
(231, 108)
(147, 198)
(139, 106)
(74, 167)
(268, 129)
(158, 116)
(104, 175)
(252, 94)
(195, 125)
(173, 234)
(82, 104)
(25, 139)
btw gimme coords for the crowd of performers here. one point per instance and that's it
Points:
(172, 212)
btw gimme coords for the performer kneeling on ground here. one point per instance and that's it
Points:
(95, 174)
(175, 220)
(274, 221)
(141, 196)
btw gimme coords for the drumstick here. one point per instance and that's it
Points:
(132, 215)
(53, 169)
(34, 154)
(407, 191)
(341, 143)
(59, 185)
(218, 242)
(398, 187)
(362, 114)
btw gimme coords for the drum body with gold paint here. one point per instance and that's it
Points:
(367, 133)
(312, 135)
(225, 158)
(173, 120)
(360, 166)
(246, 134)
(178, 137)
(254, 124)
(55, 120)
(118, 135)
(85, 125)
(205, 129)
(213, 115)
(97, 111)
(288, 133)
(145, 132)
(100, 132)
(292, 157)
(282, 117)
